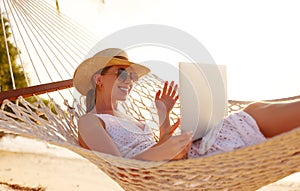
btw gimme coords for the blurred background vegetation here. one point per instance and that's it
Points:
(5, 44)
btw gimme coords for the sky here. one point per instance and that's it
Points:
(257, 40)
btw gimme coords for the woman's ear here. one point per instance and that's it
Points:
(98, 79)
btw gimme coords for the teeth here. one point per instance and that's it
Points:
(124, 89)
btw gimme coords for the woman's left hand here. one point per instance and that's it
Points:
(165, 101)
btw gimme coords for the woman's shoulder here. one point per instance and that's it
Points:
(89, 118)
(90, 115)
(86, 117)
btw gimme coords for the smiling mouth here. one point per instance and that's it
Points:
(124, 89)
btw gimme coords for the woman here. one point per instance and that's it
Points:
(108, 77)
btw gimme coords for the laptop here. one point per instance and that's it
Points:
(203, 97)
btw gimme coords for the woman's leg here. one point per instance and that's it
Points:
(275, 118)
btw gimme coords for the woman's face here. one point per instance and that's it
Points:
(118, 82)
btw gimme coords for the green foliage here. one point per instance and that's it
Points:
(32, 99)
(19, 76)
(5, 77)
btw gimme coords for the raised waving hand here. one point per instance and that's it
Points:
(164, 102)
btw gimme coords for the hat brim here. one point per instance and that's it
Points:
(85, 71)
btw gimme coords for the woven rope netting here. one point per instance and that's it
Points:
(243, 169)
(52, 42)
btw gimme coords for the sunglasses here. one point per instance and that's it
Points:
(123, 75)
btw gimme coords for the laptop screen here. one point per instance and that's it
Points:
(203, 97)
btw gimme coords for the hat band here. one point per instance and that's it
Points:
(121, 57)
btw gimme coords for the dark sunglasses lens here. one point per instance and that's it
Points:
(122, 74)
(134, 76)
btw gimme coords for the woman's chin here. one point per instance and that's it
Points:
(121, 97)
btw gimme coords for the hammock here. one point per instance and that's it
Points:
(244, 169)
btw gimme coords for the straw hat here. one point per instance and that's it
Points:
(108, 57)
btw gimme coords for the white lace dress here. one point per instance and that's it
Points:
(235, 131)
(129, 138)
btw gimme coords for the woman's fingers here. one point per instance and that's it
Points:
(174, 90)
(176, 147)
(175, 126)
(157, 96)
(165, 88)
(170, 88)
(183, 153)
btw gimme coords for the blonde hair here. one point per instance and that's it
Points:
(90, 100)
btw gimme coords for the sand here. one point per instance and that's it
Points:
(27, 164)
(36, 164)
(53, 173)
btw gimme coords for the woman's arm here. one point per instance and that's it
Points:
(174, 148)
(93, 136)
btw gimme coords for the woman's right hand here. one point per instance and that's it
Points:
(176, 147)
(173, 148)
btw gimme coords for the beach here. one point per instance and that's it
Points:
(31, 163)
(27, 164)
